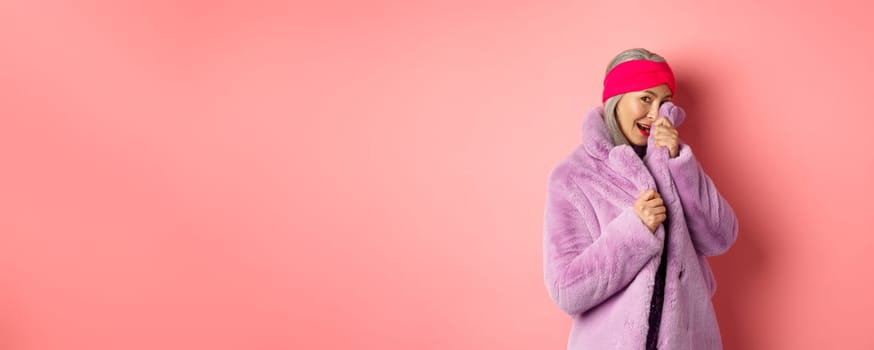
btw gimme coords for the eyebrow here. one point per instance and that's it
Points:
(654, 94)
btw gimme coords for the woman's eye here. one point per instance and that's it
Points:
(645, 99)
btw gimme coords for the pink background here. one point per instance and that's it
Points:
(255, 175)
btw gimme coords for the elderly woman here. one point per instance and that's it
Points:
(630, 217)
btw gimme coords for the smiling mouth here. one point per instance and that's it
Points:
(643, 128)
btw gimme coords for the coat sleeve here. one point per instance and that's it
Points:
(712, 223)
(585, 265)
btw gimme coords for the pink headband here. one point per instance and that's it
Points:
(637, 75)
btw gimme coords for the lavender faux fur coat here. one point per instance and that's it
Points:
(600, 260)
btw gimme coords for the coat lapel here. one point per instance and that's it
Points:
(620, 159)
(656, 158)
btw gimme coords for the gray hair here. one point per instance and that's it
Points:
(610, 104)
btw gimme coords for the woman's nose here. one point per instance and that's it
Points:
(653, 111)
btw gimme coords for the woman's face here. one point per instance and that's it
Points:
(636, 111)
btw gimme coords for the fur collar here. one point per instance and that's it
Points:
(622, 159)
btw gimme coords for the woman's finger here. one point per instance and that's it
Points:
(664, 138)
(655, 202)
(661, 129)
(663, 120)
(664, 143)
(665, 130)
(648, 194)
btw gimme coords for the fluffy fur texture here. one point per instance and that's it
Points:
(600, 259)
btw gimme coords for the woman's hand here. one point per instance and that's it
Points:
(664, 134)
(651, 209)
